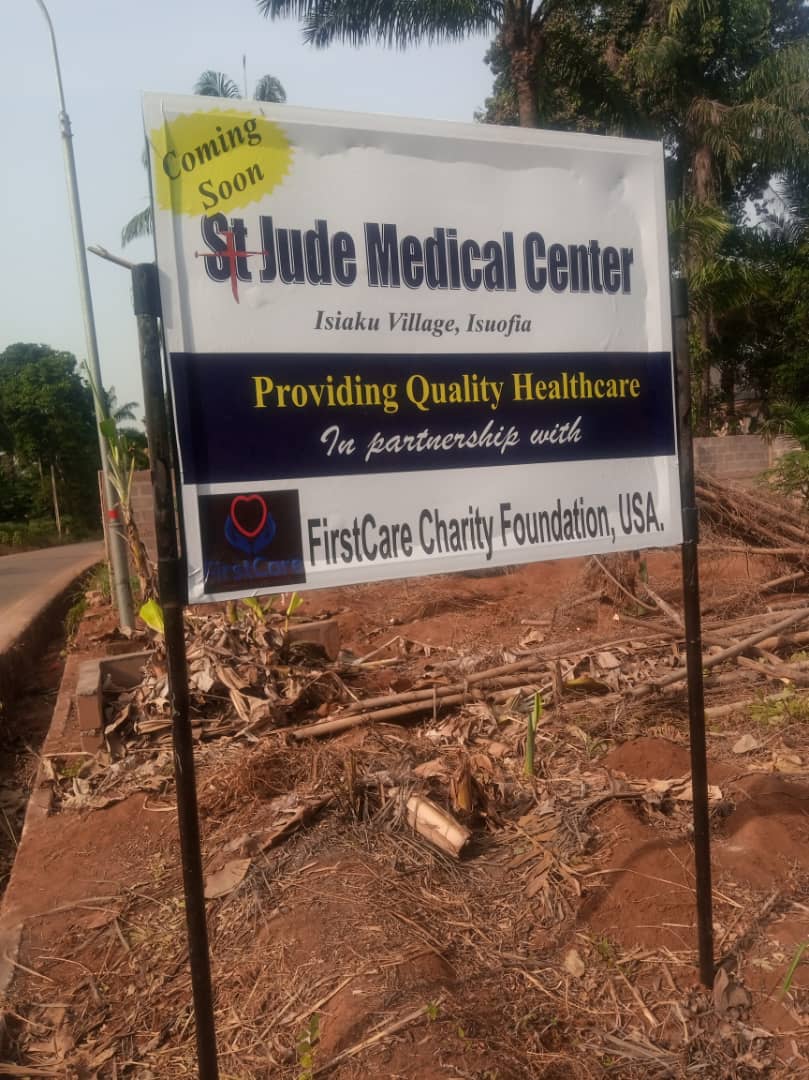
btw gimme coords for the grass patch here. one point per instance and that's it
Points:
(785, 708)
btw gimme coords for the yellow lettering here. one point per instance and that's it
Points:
(263, 386)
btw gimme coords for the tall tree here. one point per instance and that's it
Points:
(48, 420)
(209, 84)
(217, 84)
(725, 85)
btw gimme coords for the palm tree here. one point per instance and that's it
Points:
(209, 84)
(519, 23)
(726, 85)
(124, 411)
(217, 84)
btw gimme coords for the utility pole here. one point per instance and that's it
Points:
(117, 546)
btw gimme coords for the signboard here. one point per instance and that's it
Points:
(400, 347)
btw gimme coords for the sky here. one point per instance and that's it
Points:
(110, 53)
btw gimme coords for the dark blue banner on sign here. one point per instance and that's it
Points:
(267, 417)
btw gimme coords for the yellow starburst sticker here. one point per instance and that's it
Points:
(217, 160)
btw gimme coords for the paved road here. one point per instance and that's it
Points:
(30, 580)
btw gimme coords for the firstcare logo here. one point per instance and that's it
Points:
(251, 542)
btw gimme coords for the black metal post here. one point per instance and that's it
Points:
(693, 635)
(171, 582)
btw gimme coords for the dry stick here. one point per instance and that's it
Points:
(786, 511)
(785, 602)
(356, 719)
(618, 584)
(764, 587)
(388, 1029)
(776, 671)
(717, 712)
(776, 583)
(656, 628)
(376, 651)
(407, 696)
(584, 599)
(750, 523)
(711, 682)
(782, 641)
(783, 552)
(650, 1020)
(7, 1069)
(726, 654)
(675, 616)
(761, 620)
(307, 1012)
(784, 521)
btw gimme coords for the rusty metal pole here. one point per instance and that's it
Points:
(171, 582)
(693, 636)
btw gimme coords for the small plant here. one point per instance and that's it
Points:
(793, 967)
(307, 1047)
(152, 614)
(530, 742)
(295, 602)
(74, 617)
(121, 465)
(784, 708)
(100, 581)
(253, 605)
(605, 949)
(432, 1008)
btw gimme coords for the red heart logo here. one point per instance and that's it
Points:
(251, 534)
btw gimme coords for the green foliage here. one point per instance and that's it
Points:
(295, 601)
(723, 83)
(152, 614)
(396, 23)
(46, 421)
(100, 581)
(793, 967)
(217, 84)
(786, 707)
(790, 475)
(306, 1048)
(74, 616)
(254, 605)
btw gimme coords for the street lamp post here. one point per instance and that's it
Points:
(117, 547)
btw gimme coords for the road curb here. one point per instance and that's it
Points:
(34, 630)
(12, 924)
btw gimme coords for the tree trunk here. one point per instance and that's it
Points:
(702, 176)
(728, 382)
(141, 563)
(523, 44)
(525, 82)
(703, 187)
(56, 513)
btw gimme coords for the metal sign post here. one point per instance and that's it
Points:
(693, 636)
(171, 581)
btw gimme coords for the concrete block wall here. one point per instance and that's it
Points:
(738, 457)
(143, 510)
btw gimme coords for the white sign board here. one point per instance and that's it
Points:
(400, 347)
